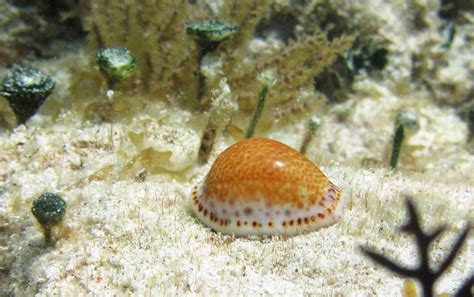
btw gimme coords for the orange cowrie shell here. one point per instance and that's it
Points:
(263, 187)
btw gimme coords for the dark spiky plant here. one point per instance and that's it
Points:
(423, 272)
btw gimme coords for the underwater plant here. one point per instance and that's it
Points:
(154, 31)
(313, 125)
(219, 116)
(267, 79)
(116, 64)
(26, 89)
(405, 123)
(467, 113)
(423, 272)
(208, 34)
(258, 112)
(170, 59)
(49, 210)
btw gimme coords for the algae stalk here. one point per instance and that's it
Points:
(207, 141)
(314, 123)
(220, 115)
(397, 143)
(405, 123)
(208, 35)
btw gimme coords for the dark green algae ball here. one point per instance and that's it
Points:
(116, 63)
(49, 209)
(26, 89)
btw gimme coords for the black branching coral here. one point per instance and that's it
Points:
(423, 272)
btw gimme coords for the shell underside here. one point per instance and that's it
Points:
(251, 218)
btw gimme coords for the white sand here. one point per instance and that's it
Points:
(128, 230)
(121, 235)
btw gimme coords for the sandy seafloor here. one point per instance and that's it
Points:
(125, 236)
(133, 233)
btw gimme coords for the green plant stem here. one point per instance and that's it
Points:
(47, 235)
(258, 112)
(201, 77)
(111, 84)
(312, 127)
(21, 115)
(397, 144)
(201, 85)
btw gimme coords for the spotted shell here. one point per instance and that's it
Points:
(263, 187)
